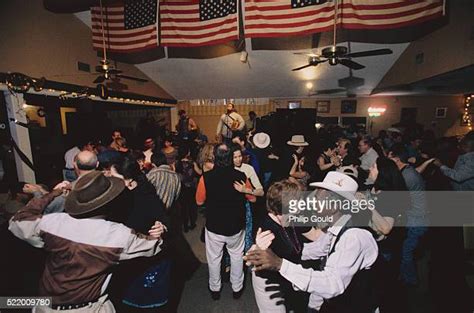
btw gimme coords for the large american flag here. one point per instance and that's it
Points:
(198, 23)
(129, 27)
(276, 18)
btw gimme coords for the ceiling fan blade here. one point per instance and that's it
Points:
(116, 85)
(368, 53)
(114, 71)
(99, 80)
(99, 69)
(302, 67)
(314, 55)
(351, 64)
(329, 91)
(143, 80)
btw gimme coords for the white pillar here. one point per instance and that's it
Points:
(20, 134)
(174, 118)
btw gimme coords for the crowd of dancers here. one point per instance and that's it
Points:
(123, 205)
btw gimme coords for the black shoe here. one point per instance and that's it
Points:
(215, 295)
(238, 294)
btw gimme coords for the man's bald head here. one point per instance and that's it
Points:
(86, 161)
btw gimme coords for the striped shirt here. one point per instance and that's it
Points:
(166, 183)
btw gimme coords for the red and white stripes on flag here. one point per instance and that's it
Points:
(118, 36)
(195, 23)
(277, 18)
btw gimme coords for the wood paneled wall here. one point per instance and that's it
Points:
(207, 117)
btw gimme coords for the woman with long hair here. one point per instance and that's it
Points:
(256, 190)
(205, 159)
(386, 177)
(327, 160)
(188, 177)
(391, 199)
(141, 283)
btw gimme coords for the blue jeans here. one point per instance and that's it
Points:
(266, 179)
(407, 265)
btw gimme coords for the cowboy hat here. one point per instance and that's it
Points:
(340, 183)
(394, 130)
(92, 191)
(261, 140)
(349, 170)
(297, 140)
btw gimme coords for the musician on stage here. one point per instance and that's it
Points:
(229, 122)
(187, 128)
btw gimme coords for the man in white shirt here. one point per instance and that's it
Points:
(84, 163)
(347, 255)
(368, 157)
(228, 123)
(69, 172)
(149, 146)
(368, 154)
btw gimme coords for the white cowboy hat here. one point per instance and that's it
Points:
(261, 140)
(394, 130)
(297, 140)
(342, 184)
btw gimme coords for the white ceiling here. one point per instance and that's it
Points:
(269, 76)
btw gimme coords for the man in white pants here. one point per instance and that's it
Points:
(225, 219)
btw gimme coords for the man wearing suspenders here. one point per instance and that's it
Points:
(344, 282)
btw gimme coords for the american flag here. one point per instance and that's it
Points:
(198, 23)
(276, 18)
(129, 27)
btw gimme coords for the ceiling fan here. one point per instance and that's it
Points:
(105, 68)
(339, 54)
(349, 86)
(326, 92)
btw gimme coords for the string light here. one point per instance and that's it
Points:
(64, 94)
(466, 117)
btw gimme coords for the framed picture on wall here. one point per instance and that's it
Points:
(348, 106)
(294, 104)
(323, 106)
(441, 112)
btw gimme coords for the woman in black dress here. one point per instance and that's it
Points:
(389, 186)
(144, 282)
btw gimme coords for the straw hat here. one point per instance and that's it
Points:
(297, 140)
(261, 140)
